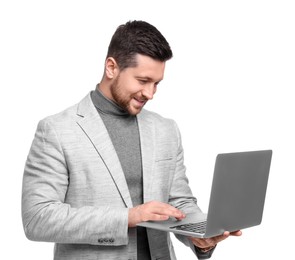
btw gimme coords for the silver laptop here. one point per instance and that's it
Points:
(236, 201)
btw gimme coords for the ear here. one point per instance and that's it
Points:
(111, 68)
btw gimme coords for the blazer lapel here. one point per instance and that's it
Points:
(93, 126)
(147, 140)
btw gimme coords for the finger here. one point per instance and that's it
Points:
(181, 217)
(226, 234)
(165, 209)
(157, 211)
(236, 233)
(220, 238)
(204, 242)
(199, 242)
(157, 217)
(210, 242)
(233, 233)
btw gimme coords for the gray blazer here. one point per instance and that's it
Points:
(75, 193)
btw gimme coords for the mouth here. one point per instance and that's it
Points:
(140, 102)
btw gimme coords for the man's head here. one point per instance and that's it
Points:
(138, 37)
(134, 65)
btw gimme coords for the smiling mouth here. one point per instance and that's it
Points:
(140, 102)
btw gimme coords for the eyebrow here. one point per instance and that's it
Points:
(147, 78)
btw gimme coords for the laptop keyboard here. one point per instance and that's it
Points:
(192, 227)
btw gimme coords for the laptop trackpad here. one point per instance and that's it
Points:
(172, 222)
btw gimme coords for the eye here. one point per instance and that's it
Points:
(142, 81)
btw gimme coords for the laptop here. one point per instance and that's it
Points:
(236, 201)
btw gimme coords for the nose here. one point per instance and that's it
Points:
(149, 91)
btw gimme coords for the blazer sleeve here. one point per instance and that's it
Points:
(46, 216)
(181, 196)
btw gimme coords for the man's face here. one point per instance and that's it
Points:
(133, 87)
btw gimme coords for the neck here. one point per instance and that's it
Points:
(104, 87)
(106, 105)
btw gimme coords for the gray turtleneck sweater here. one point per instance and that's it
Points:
(123, 130)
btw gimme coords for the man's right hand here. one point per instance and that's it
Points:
(153, 210)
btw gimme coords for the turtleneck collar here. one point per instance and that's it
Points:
(105, 105)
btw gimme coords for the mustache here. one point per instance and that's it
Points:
(141, 99)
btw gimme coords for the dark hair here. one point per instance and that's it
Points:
(138, 37)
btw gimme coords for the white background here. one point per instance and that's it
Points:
(229, 88)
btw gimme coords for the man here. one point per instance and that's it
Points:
(100, 167)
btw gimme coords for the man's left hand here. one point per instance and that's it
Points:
(206, 244)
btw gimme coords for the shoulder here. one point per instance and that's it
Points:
(68, 115)
(60, 118)
(63, 122)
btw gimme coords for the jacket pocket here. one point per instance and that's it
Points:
(163, 159)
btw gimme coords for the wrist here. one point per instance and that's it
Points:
(204, 253)
(134, 216)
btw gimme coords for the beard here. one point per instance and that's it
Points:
(122, 99)
(118, 95)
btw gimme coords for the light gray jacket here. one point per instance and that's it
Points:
(75, 193)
